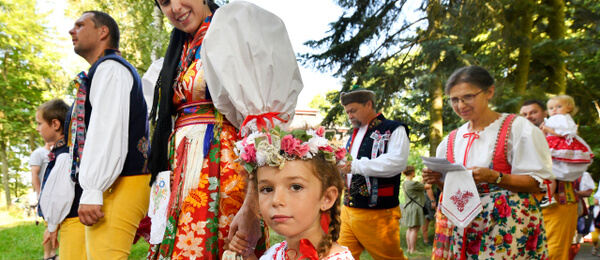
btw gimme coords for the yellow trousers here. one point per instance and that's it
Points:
(561, 223)
(374, 230)
(125, 204)
(72, 237)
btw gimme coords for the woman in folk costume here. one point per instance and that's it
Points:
(509, 160)
(206, 200)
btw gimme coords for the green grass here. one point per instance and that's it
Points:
(22, 239)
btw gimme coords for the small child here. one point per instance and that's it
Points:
(50, 118)
(570, 153)
(299, 189)
(58, 190)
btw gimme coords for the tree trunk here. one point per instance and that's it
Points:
(4, 158)
(522, 70)
(436, 126)
(556, 31)
(436, 122)
(158, 25)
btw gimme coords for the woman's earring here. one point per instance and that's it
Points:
(204, 2)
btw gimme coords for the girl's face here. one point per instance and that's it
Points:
(468, 101)
(290, 199)
(557, 107)
(185, 15)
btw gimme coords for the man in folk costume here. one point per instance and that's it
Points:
(108, 140)
(380, 148)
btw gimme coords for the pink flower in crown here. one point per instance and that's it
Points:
(340, 153)
(320, 131)
(249, 154)
(301, 150)
(289, 144)
(326, 148)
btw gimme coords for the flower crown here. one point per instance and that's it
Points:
(275, 146)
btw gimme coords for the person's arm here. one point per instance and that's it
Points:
(106, 142)
(35, 164)
(431, 197)
(586, 185)
(58, 194)
(388, 164)
(35, 178)
(246, 223)
(512, 182)
(584, 193)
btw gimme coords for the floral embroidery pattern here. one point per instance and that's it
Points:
(460, 199)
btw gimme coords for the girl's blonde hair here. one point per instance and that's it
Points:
(568, 101)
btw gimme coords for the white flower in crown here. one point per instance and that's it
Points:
(274, 147)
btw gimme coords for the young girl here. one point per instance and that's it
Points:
(570, 153)
(299, 189)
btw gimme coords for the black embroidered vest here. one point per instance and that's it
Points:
(138, 145)
(386, 190)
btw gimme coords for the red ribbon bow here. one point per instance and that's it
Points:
(261, 123)
(307, 250)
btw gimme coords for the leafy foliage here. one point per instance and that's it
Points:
(28, 66)
(406, 58)
(140, 32)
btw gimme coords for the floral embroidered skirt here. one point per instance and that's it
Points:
(208, 190)
(509, 227)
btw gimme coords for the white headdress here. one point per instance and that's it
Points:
(250, 67)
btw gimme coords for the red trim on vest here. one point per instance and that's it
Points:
(500, 162)
(450, 148)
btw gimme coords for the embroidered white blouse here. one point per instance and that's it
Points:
(277, 252)
(527, 149)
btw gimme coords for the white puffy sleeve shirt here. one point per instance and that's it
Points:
(108, 131)
(527, 149)
(58, 192)
(386, 165)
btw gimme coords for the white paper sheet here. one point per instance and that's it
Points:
(442, 165)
